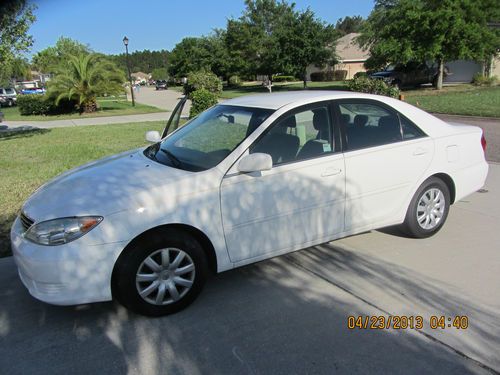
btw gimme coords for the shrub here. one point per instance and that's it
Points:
(361, 74)
(33, 104)
(318, 76)
(340, 75)
(373, 86)
(201, 99)
(481, 80)
(234, 81)
(203, 80)
(284, 78)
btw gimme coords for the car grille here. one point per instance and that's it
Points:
(25, 221)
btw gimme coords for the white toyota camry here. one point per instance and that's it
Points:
(248, 179)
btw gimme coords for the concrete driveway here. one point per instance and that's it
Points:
(164, 99)
(289, 315)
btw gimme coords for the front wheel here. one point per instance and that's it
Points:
(160, 275)
(428, 209)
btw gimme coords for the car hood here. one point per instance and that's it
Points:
(103, 187)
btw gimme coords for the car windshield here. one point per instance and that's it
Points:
(207, 139)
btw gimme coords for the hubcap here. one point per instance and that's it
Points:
(430, 208)
(165, 276)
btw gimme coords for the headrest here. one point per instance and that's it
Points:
(360, 121)
(289, 122)
(320, 119)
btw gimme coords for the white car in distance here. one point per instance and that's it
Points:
(248, 179)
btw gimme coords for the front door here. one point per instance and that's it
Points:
(300, 201)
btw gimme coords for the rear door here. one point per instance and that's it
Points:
(385, 154)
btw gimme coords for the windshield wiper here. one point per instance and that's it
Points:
(174, 159)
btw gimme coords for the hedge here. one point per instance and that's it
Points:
(284, 79)
(201, 100)
(373, 86)
(35, 104)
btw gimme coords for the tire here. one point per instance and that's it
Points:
(397, 83)
(424, 221)
(164, 290)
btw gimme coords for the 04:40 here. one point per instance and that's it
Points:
(458, 322)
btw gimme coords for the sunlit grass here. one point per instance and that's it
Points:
(30, 159)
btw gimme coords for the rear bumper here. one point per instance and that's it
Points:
(471, 179)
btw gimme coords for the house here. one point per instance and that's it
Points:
(350, 56)
(140, 78)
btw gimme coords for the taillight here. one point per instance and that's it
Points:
(483, 143)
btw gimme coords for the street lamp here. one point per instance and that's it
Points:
(125, 41)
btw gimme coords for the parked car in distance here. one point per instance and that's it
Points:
(407, 75)
(33, 90)
(8, 97)
(161, 84)
(246, 180)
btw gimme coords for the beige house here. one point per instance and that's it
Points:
(140, 77)
(351, 57)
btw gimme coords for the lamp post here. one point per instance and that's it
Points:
(125, 41)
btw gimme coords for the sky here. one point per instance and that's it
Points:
(153, 24)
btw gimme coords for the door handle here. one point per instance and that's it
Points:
(420, 151)
(331, 172)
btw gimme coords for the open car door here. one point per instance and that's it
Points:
(175, 117)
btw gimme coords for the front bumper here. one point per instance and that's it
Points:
(68, 274)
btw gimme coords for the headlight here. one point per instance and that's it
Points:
(61, 231)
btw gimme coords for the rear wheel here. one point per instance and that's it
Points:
(160, 275)
(428, 209)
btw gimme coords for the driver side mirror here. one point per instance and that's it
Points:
(153, 136)
(257, 162)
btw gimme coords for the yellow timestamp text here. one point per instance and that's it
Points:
(406, 322)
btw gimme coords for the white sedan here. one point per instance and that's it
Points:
(248, 179)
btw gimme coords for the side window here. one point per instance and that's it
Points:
(369, 124)
(299, 136)
(410, 130)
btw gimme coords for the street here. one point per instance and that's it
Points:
(289, 315)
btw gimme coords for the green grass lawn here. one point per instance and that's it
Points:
(230, 93)
(107, 107)
(30, 159)
(458, 100)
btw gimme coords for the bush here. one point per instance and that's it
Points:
(201, 99)
(481, 80)
(373, 86)
(203, 80)
(234, 81)
(339, 75)
(284, 78)
(361, 74)
(318, 76)
(33, 104)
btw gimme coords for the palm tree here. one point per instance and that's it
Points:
(83, 78)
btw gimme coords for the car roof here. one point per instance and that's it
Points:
(278, 100)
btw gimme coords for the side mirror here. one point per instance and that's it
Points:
(255, 163)
(153, 136)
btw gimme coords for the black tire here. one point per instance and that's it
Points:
(397, 83)
(411, 225)
(125, 286)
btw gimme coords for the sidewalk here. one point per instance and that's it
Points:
(159, 116)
